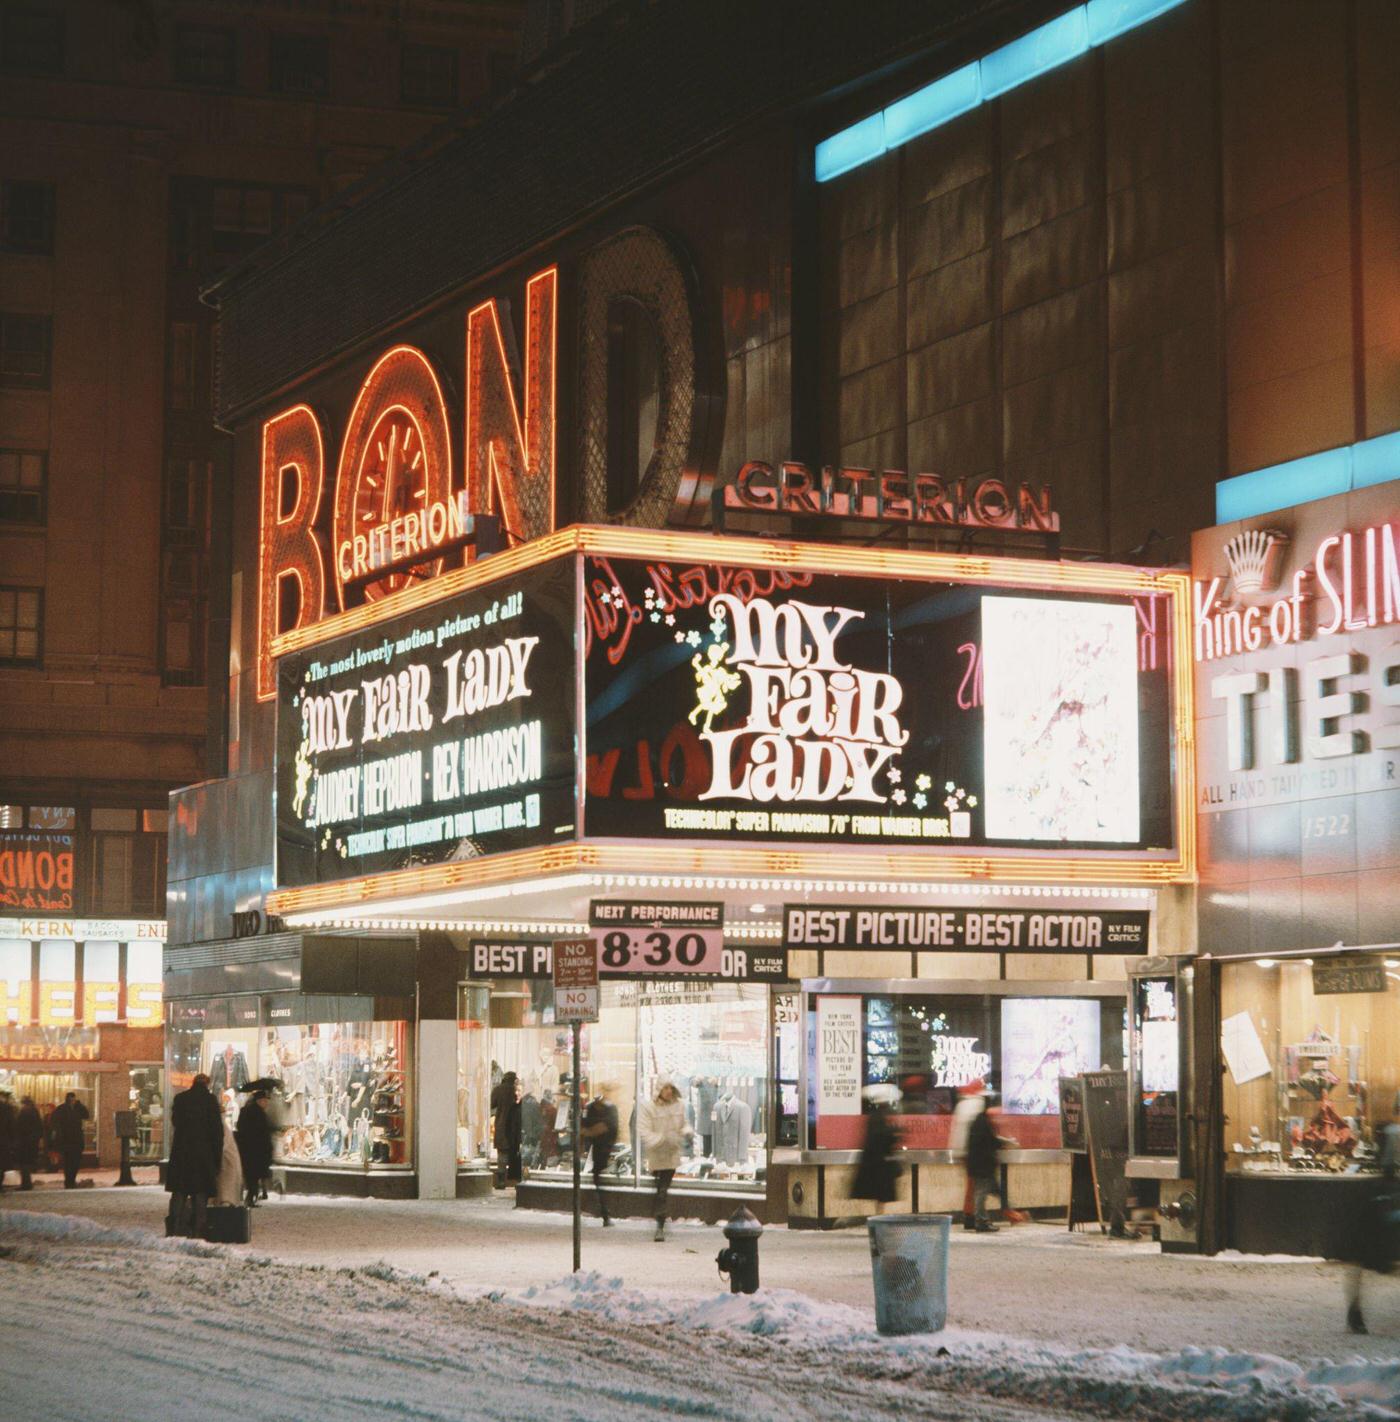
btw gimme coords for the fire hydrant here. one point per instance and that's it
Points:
(740, 1259)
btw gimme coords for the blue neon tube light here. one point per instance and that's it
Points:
(1054, 43)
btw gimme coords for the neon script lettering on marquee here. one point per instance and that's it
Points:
(381, 708)
(817, 728)
(395, 486)
(1357, 578)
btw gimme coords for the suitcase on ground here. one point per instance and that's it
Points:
(229, 1224)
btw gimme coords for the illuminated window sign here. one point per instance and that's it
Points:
(767, 705)
(36, 871)
(442, 734)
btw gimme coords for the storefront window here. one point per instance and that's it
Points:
(711, 1039)
(931, 1046)
(787, 1029)
(342, 1087)
(345, 1089)
(473, 1075)
(146, 1096)
(1312, 1062)
(47, 1089)
(1156, 1067)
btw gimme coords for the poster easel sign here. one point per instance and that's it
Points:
(1106, 1119)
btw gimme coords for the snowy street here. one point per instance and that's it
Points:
(352, 1309)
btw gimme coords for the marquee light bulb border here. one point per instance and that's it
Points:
(504, 875)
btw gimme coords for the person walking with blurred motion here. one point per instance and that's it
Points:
(66, 1136)
(29, 1140)
(599, 1128)
(1373, 1236)
(877, 1174)
(662, 1128)
(196, 1150)
(984, 1146)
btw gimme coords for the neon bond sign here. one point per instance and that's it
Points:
(395, 495)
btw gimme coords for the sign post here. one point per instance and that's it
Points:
(576, 1002)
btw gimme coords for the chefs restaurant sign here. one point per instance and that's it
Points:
(563, 701)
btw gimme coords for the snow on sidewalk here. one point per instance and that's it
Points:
(797, 1338)
(1106, 1376)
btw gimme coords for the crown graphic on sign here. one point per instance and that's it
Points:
(1254, 559)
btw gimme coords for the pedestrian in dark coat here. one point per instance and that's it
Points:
(254, 1136)
(196, 1145)
(983, 1150)
(9, 1125)
(66, 1136)
(506, 1130)
(1373, 1238)
(599, 1128)
(877, 1174)
(29, 1137)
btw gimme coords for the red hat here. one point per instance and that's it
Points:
(975, 1087)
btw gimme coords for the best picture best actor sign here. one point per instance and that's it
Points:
(977, 930)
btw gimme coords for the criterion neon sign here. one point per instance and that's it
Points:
(888, 496)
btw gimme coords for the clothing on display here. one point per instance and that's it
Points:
(339, 1098)
(710, 1040)
(733, 1121)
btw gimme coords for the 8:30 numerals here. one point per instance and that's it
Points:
(685, 949)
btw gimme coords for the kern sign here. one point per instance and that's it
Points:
(701, 694)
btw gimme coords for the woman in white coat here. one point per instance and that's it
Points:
(229, 1189)
(662, 1129)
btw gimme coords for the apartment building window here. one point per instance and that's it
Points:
(31, 41)
(301, 64)
(188, 367)
(205, 54)
(26, 216)
(127, 865)
(428, 76)
(24, 351)
(21, 626)
(23, 485)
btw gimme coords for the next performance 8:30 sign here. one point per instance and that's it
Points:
(659, 938)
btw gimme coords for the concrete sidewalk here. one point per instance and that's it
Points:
(1034, 1281)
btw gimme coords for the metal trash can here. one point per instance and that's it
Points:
(909, 1258)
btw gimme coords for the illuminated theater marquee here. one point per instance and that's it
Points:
(658, 703)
